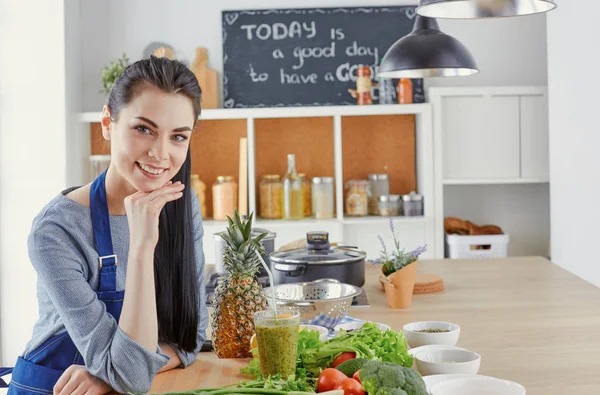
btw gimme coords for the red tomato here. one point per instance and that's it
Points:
(329, 378)
(350, 387)
(357, 377)
(343, 358)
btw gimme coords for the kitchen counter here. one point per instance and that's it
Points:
(531, 321)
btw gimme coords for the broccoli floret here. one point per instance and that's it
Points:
(390, 391)
(386, 378)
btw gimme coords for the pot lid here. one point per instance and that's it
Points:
(334, 256)
(255, 233)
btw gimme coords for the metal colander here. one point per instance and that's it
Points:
(322, 302)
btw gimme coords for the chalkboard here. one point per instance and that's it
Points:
(306, 57)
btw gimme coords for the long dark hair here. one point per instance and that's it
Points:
(174, 263)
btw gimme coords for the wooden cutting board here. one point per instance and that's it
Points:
(207, 79)
(211, 372)
(425, 283)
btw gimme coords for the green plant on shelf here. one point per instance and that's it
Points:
(398, 258)
(112, 72)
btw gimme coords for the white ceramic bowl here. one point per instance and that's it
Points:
(415, 338)
(478, 385)
(352, 326)
(416, 350)
(448, 362)
(323, 332)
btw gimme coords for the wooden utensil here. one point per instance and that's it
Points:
(207, 79)
(243, 178)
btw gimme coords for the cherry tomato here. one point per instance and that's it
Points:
(329, 378)
(356, 377)
(350, 387)
(343, 358)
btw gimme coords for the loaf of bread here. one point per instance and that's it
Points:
(457, 226)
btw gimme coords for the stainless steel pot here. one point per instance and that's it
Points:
(268, 244)
(319, 261)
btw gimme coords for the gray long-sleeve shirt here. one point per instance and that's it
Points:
(61, 249)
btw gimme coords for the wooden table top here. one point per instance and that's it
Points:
(531, 321)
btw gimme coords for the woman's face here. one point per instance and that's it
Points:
(150, 139)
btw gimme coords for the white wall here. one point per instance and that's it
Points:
(32, 151)
(574, 139)
(522, 211)
(509, 51)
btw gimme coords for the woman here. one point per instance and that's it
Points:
(120, 261)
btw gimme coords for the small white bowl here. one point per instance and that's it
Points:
(478, 385)
(448, 362)
(431, 347)
(352, 326)
(323, 332)
(415, 338)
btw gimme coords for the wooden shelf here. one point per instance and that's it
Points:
(295, 112)
(373, 219)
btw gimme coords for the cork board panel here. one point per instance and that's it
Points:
(99, 145)
(380, 144)
(310, 139)
(215, 149)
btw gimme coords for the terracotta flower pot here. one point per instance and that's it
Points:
(399, 287)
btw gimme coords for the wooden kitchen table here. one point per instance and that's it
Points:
(531, 321)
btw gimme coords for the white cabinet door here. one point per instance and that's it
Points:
(481, 137)
(534, 137)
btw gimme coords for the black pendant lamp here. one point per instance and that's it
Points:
(427, 52)
(473, 9)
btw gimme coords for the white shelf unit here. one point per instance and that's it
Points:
(359, 231)
(490, 137)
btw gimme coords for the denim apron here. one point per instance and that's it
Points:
(37, 372)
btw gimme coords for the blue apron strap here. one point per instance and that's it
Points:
(4, 372)
(107, 260)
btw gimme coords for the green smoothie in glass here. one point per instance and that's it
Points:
(277, 341)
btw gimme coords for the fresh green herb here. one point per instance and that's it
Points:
(398, 258)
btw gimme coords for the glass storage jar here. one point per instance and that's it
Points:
(199, 189)
(357, 198)
(322, 197)
(389, 205)
(412, 204)
(271, 196)
(306, 195)
(225, 196)
(379, 185)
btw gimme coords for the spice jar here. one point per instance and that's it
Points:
(225, 196)
(199, 189)
(379, 185)
(363, 85)
(357, 198)
(388, 205)
(405, 91)
(271, 196)
(322, 197)
(306, 195)
(412, 204)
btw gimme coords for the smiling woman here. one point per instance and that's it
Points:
(137, 227)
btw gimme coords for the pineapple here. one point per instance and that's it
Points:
(238, 295)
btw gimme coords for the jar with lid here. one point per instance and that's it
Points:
(271, 196)
(199, 189)
(405, 91)
(412, 204)
(379, 185)
(357, 198)
(306, 195)
(225, 194)
(389, 205)
(322, 197)
(364, 85)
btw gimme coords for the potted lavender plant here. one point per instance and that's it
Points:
(399, 269)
